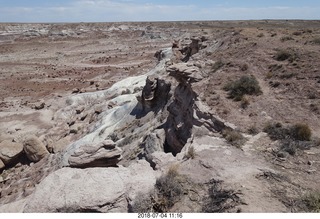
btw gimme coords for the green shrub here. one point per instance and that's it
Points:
(292, 139)
(276, 131)
(168, 191)
(283, 55)
(313, 202)
(301, 132)
(245, 85)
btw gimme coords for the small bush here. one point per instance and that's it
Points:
(220, 200)
(292, 146)
(301, 132)
(288, 54)
(233, 137)
(245, 85)
(142, 204)
(283, 55)
(313, 202)
(276, 131)
(169, 189)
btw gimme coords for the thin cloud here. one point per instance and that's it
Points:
(129, 10)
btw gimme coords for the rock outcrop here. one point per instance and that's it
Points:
(184, 49)
(34, 149)
(185, 73)
(103, 154)
(92, 189)
(10, 151)
(155, 93)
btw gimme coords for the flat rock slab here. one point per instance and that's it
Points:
(9, 151)
(91, 189)
(103, 154)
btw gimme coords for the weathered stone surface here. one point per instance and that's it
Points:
(103, 154)
(34, 149)
(2, 165)
(13, 207)
(188, 47)
(39, 106)
(61, 145)
(92, 189)
(155, 92)
(162, 160)
(21, 180)
(152, 143)
(184, 72)
(9, 151)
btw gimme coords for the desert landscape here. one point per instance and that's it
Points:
(201, 116)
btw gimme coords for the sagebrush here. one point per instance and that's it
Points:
(245, 85)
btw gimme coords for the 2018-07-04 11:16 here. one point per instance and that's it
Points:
(160, 215)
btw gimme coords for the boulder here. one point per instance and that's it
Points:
(103, 154)
(189, 46)
(39, 106)
(92, 189)
(10, 151)
(34, 149)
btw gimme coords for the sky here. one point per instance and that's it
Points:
(155, 10)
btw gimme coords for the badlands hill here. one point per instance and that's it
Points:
(160, 117)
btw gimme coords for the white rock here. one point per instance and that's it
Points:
(92, 189)
(9, 151)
